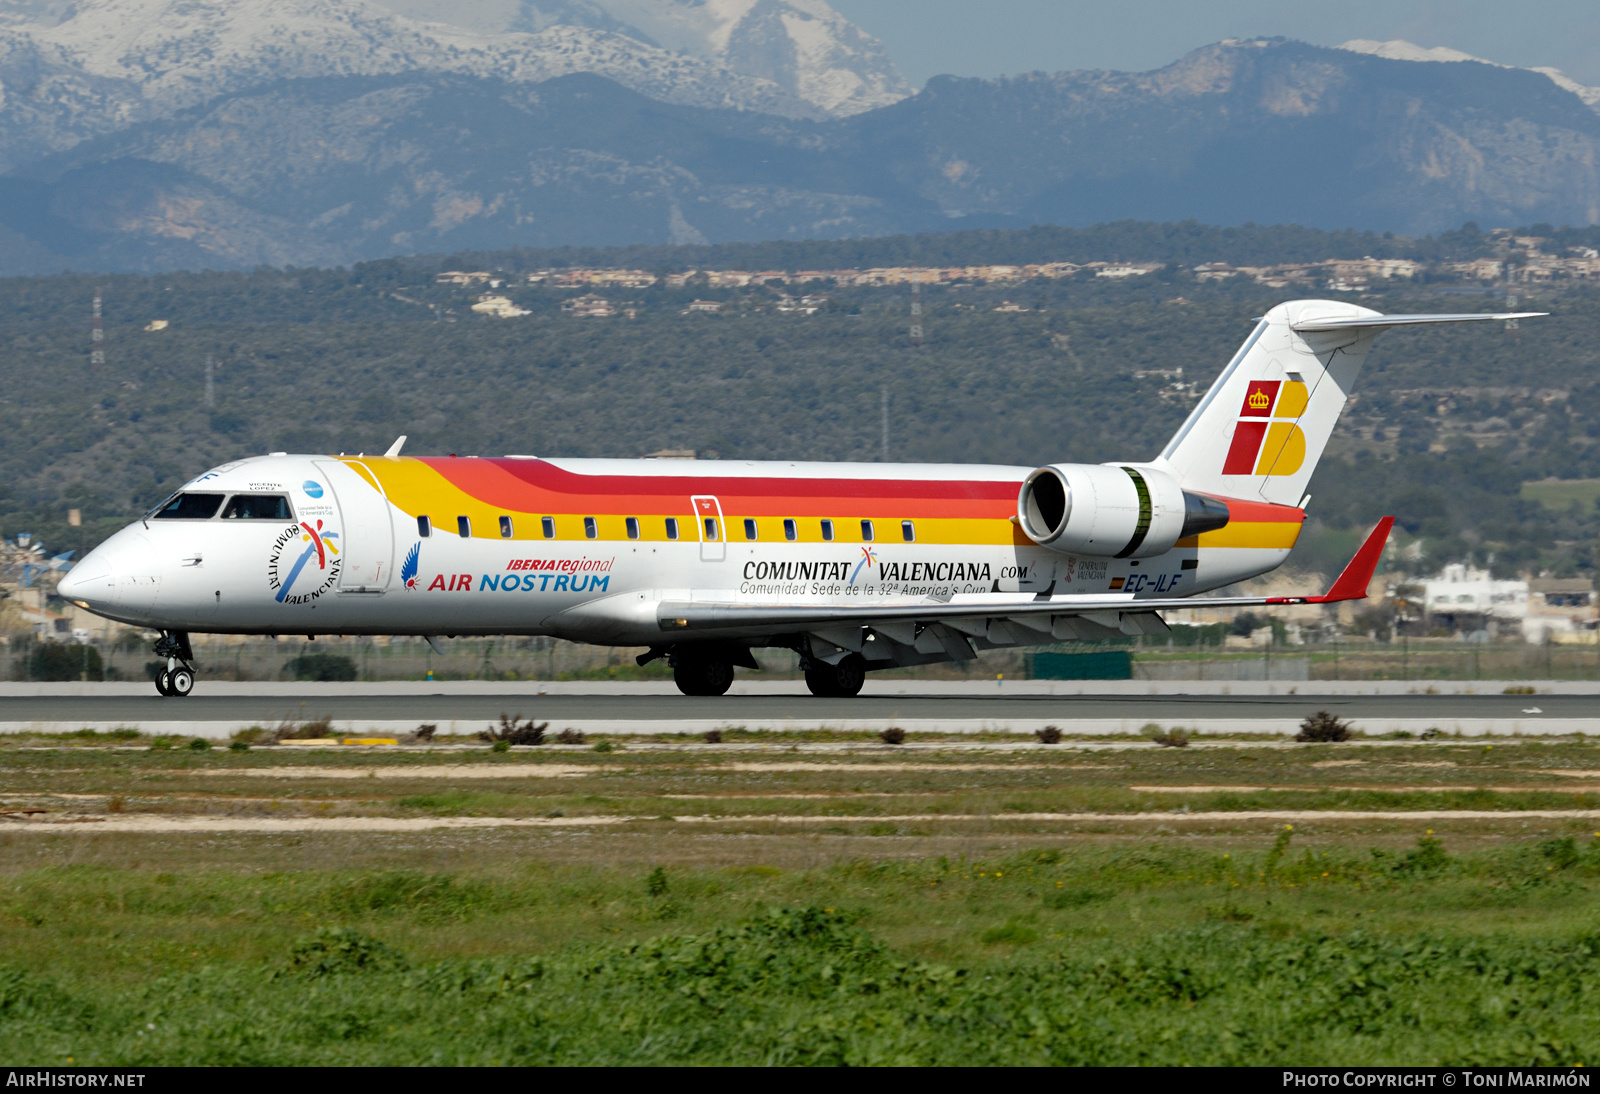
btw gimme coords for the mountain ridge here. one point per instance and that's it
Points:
(70, 72)
(339, 169)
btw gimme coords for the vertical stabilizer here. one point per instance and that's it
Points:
(1260, 430)
(1263, 425)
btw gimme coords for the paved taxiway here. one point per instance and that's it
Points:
(1023, 706)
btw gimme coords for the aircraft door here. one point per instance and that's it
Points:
(367, 553)
(713, 530)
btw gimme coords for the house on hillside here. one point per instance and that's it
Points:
(588, 304)
(500, 307)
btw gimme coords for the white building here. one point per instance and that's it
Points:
(1460, 590)
(500, 307)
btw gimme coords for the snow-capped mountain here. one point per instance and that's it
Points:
(74, 69)
(804, 46)
(1398, 49)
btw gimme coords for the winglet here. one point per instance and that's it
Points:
(1352, 583)
(394, 449)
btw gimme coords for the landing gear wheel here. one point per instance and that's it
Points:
(177, 678)
(703, 674)
(841, 681)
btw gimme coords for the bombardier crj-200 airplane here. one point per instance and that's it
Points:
(854, 566)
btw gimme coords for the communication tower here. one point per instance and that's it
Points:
(97, 337)
(211, 387)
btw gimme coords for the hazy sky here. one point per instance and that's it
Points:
(994, 37)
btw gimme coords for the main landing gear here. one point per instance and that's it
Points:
(702, 672)
(177, 679)
(841, 681)
(707, 669)
(704, 668)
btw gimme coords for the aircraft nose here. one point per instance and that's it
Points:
(121, 575)
(90, 578)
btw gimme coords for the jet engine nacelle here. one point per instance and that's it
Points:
(1112, 510)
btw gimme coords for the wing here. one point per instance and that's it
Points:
(993, 620)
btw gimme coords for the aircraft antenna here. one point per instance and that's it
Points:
(97, 336)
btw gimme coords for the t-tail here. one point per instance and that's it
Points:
(1262, 427)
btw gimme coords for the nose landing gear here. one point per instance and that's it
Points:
(177, 679)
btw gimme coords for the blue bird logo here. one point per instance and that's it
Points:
(408, 568)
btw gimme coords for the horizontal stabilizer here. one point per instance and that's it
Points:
(1355, 322)
(1352, 582)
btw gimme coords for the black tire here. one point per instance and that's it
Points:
(164, 683)
(841, 681)
(819, 679)
(850, 675)
(703, 674)
(181, 683)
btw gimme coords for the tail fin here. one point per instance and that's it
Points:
(1262, 427)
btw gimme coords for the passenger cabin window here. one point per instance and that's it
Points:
(590, 528)
(190, 507)
(548, 525)
(711, 529)
(790, 532)
(749, 529)
(908, 531)
(672, 527)
(827, 531)
(424, 527)
(464, 527)
(633, 527)
(866, 531)
(257, 507)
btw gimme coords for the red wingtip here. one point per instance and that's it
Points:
(1352, 583)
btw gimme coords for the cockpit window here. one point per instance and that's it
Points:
(190, 507)
(257, 507)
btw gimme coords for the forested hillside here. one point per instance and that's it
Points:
(1447, 425)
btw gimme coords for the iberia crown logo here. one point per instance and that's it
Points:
(1260, 447)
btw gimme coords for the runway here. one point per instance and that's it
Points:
(1091, 707)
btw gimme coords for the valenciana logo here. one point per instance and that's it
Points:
(286, 569)
(1267, 440)
(868, 557)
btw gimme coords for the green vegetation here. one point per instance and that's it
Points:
(320, 666)
(921, 913)
(1148, 954)
(1563, 494)
(58, 661)
(1187, 243)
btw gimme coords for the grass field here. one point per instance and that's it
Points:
(787, 900)
(1560, 494)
